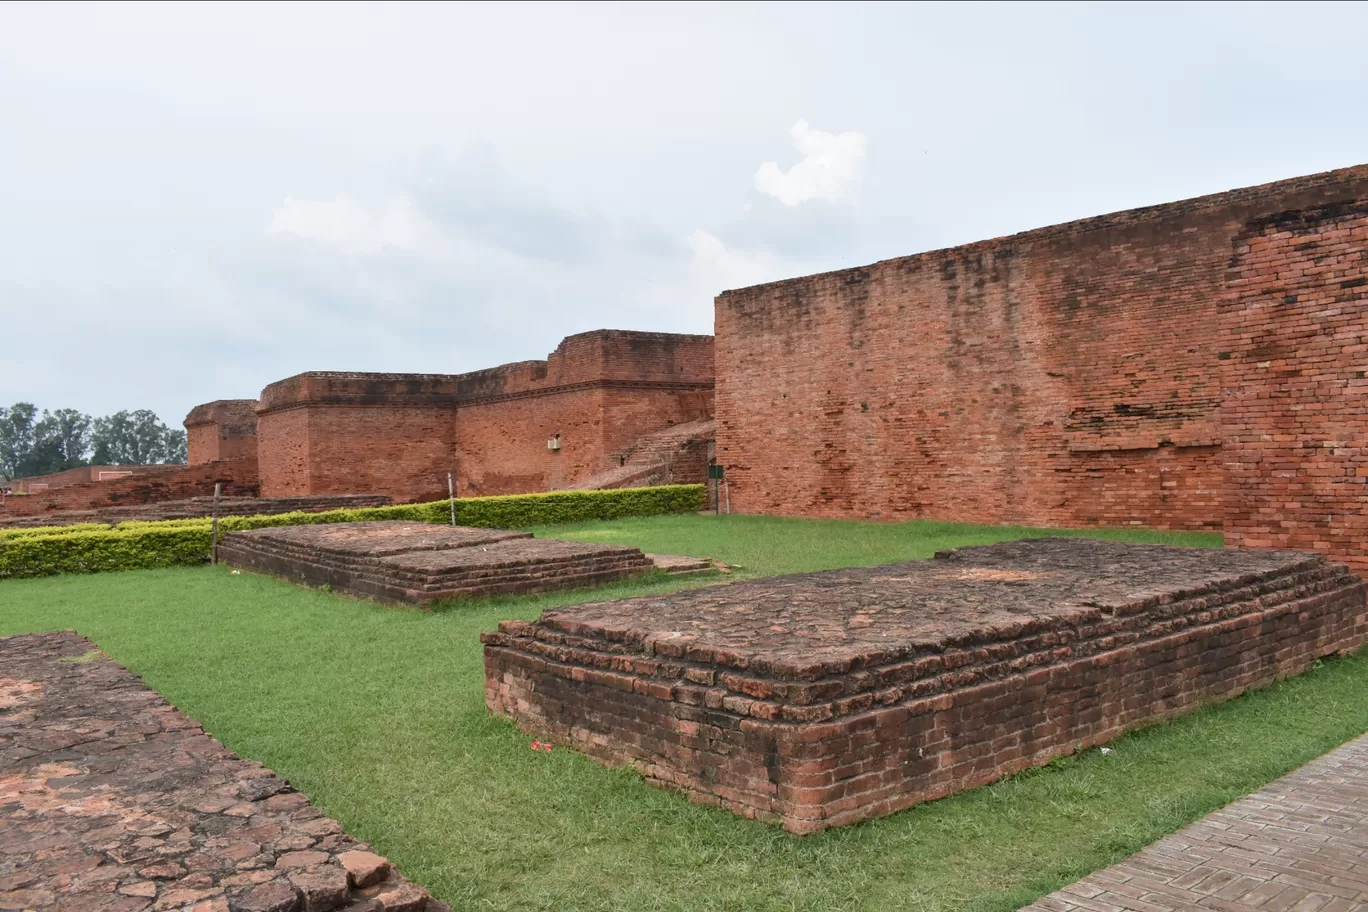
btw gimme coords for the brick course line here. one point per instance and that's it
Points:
(1300, 842)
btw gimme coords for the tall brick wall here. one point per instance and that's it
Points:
(1295, 370)
(1073, 375)
(334, 433)
(220, 430)
(502, 443)
(399, 434)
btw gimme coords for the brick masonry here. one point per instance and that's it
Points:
(1196, 365)
(112, 799)
(400, 434)
(822, 699)
(224, 429)
(238, 478)
(418, 563)
(44, 484)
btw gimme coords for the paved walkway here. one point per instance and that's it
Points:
(1298, 845)
(111, 800)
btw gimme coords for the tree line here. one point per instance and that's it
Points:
(34, 444)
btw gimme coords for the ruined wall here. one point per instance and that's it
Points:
(331, 433)
(82, 475)
(502, 443)
(399, 434)
(1295, 324)
(1068, 376)
(223, 429)
(238, 477)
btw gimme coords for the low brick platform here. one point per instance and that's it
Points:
(198, 508)
(826, 698)
(419, 563)
(111, 799)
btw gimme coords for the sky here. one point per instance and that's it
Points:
(197, 200)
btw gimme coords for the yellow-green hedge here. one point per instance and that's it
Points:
(136, 545)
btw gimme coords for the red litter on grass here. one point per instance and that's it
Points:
(541, 746)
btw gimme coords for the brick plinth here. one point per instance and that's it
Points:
(418, 563)
(822, 699)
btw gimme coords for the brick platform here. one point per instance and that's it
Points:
(111, 799)
(1296, 844)
(419, 563)
(826, 698)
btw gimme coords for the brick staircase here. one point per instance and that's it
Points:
(676, 455)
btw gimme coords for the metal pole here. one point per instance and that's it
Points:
(213, 547)
(451, 492)
(727, 484)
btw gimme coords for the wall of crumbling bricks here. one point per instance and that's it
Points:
(224, 429)
(1102, 372)
(1294, 325)
(238, 478)
(326, 433)
(400, 434)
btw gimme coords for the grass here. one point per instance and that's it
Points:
(378, 715)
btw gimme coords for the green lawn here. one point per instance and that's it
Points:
(378, 715)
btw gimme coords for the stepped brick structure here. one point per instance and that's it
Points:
(1196, 365)
(418, 563)
(42, 484)
(225, 429)
(827, 698)
(400, 434)
(199, 507)
(677, 455)
(238, 478)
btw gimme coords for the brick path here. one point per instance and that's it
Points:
(113, 800)
(1298, 845)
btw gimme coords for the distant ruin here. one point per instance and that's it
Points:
(518, 428)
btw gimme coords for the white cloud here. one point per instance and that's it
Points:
(723, 267)
(347, 224)
(830, 168)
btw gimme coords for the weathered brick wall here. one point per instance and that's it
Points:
(329, 433)
(283, 452)
(223, 429)
(1072, 375)
(81, 475)
(238, 477)
(502, 443)
(399, 434)
(1295, 321)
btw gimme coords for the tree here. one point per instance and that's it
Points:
(135, 438)
(16, 438)
(61, 440)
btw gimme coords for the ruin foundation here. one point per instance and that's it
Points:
(823, 699)
(419, 563)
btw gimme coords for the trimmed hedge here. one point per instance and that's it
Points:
(103, 550)
(30, 531)
(137, 545)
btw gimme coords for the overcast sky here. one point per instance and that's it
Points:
(197, 200)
